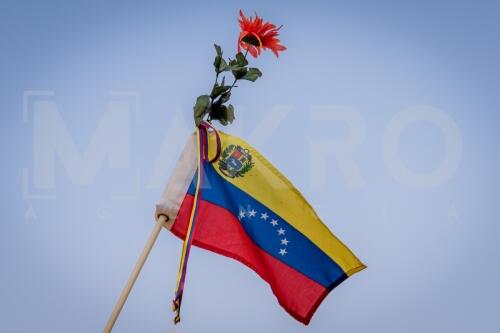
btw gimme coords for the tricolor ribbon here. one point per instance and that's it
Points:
(202, 133)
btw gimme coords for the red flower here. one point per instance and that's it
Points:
(256, 35)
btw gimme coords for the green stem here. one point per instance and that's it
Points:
(236, 80)
(209, 119)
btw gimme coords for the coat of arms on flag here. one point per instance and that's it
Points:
(235, 161)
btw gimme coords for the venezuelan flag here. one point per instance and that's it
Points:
(247, 210)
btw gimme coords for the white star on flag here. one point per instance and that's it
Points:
(283, 252)
(281, 231)
(252, 213)
(274, 223)
(264, 216)
(285, 241)
(242, 214)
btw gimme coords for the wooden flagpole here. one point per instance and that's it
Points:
(135, 273)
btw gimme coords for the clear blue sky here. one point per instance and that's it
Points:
(384, 114)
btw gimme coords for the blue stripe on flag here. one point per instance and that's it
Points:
(268, 230)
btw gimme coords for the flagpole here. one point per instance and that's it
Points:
(135, 273)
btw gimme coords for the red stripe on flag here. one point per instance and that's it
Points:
(220, 231)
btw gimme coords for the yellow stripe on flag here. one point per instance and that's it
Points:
(267, 185)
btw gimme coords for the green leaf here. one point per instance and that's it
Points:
(239, 72)
(223, 66)
(241, 60)
(217, 61)
(199, 109)
(224, 114)
(251, 39)
(217, 90)
(218, 50)
(219, 112)
(220, 65)
(233, 63)
(230, 113)
(252, 74)
(225, 97)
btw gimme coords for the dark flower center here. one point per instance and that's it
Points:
(252, 39)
